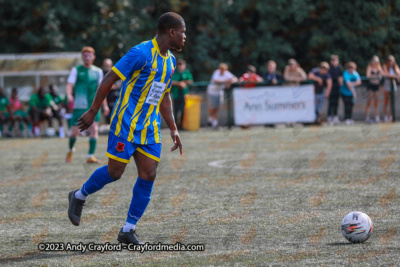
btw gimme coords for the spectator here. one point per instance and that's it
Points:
(19, 113)
(322, 79)
(271, 76)
(336, 72)
(58, 109)
(40, 109)
(220, 80)
(293, 73)
(374, 75)
(5, 110)
(180, 81)
(250, 77)
(82, 85)
(351, 79)
(115, 88)
(391, 72)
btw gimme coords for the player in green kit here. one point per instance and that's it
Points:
(81, 89)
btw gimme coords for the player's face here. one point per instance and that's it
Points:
(88, 58)
(178, 38)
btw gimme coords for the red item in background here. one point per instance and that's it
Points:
(247, 77)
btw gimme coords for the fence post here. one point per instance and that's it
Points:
(229, 104)
(392, 96)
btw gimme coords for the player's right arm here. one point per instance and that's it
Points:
(70, 84)
(105, 86)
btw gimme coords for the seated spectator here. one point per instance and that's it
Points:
(250, 77)
(391, 72)
(336, 72)
(19, 114)
(58, 109)
(322, 80)
(5, 111)
(180, 81)
(40, 109)
(351, 79)
(220, 80)
(374, 75)
(272, 76)
(293, 73)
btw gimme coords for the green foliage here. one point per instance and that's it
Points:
(237, 32)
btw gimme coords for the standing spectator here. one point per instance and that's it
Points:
(58, 109)
(180, 87)
(272, 76)
(40, 109)
(250, 77)
(322, 79)
(336, 72)
(5, 110)
(391, 72)
(220, 80)
(19, 113)
(351, 79)
(115, 88)
(293, 73)
(81, 89)
(374, 75)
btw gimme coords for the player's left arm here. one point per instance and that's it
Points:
(166, 112)
(87, 118)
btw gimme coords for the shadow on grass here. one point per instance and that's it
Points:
(340, 244)
(36, 256)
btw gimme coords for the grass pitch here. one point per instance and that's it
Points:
(254, 197)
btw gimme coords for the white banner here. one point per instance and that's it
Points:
(273, 104)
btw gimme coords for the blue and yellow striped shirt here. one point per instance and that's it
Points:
(146, 76)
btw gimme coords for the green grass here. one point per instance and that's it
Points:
(253, 197)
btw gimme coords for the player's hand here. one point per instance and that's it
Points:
(106, 110)
(48, 112)
(86, 120)
(177, 141)
(182, 85)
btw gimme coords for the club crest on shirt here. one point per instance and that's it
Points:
(120, 147)
(154, 69)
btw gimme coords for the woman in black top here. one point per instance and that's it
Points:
(374, 74)
(336, 72)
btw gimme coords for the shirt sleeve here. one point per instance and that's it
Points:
(346, 77)
(189, 76)
(72, 76)
(33, 101)
(229, 75)
(100, 77)
(214, 76)
(133, 60)
(49, 100)
(357, 75)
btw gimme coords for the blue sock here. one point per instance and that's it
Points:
(140, 200)
(97, 181)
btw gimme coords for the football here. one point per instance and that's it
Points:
(357, 227)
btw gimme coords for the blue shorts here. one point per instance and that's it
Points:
(121, 150)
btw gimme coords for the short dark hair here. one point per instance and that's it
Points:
(169, 20)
